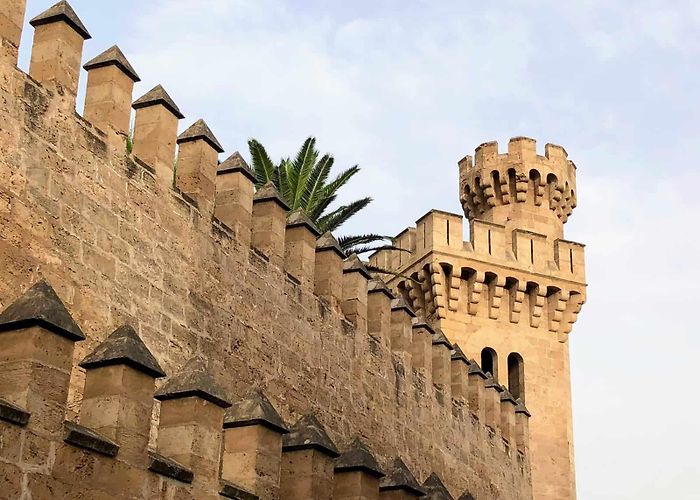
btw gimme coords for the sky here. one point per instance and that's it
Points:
(405, 88)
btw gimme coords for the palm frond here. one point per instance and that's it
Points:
(262, 165)
(303, 166)
(367, 248)
(342, 179)
(338, 217)
(380, 270)
(360, 239)
(318, 178)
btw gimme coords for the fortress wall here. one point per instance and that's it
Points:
(120, 245)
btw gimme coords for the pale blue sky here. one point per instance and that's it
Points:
(406, 88)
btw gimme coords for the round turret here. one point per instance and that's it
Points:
(519, 189)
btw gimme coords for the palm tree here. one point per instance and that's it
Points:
(304, 183)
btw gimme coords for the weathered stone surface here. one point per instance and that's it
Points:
(440, 339)
(199, 130)
(13, 413)
(40, 306)
(400, 303)
(229, 490)
(358, 457)
(235, 163)
(269, 193)
(399, 477)
(298, 218)
(308, 433)
(353, 264)
(435, 489)
(158, 95)
(193, 380)
(113, 56)
(83, 437)
(328, 242)
(378, 286)
(254, 409)
(61, 11)
(458, 355)
(166, 467)
(124, 346)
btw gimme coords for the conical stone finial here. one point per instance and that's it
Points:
(400, 478)
(40, 306)
(400, 303)
(435, 488)
(255, 409)
(62, 11)
(113, 56)
(458, 354)
(308, 433)
(299, 218)
(200, 130)
(269, 193)
(439, 338)
(377, 285)
(158, 95)
(124, 347)
(235, 163)
(193, 380)
(358, 457)
(353, 264)
(328, 242)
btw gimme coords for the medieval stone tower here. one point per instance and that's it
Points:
(510, 295)
(181, 335)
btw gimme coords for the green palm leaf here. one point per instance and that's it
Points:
(262, 165)
(335, 219)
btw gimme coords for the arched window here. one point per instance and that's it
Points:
(516, 375)
(489, 361)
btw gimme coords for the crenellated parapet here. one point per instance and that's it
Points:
(494, 184)
(230, 316)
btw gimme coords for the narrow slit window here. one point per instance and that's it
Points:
(448, 232)
(571, 260)
(489, 238)
(532, 251)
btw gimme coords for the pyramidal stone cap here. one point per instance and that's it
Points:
(521, 408)
(158, 95)
(269, 193)
(422, 324)
(436, 488)
(298, 218)
(199, 130)
(328, 242)
(399, 303)
(458, 355)
(235, 163)
(400, 478)
(113, 56)
(439, 338)
(40, 306)
(309, 434)
(353, 264)
(230, 490)
(507, 396)
(194, 380)
(255, 409)
(475, 369)
(124, 347)
(467, 496)
(377, 285)
(358, 457)
(492, 384)
(62, 11)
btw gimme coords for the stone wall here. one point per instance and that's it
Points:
(121, 245)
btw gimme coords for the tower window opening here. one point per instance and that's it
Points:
(489, 361)
(516, 376)
(532, 251)
(489, 238)
(571, 260)
(448, 232)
